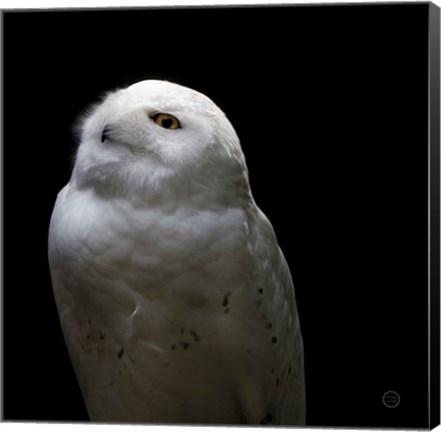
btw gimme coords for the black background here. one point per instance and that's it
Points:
(330, 103)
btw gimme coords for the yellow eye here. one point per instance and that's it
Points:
(167, 121)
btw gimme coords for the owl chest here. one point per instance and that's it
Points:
(149, 250)
(149, 300)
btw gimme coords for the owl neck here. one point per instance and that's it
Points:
(159, 187)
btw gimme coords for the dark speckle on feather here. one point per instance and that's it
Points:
(260, 291)
(195, 336)
(225, 301)
(120, 353)
(173, 347)
(185, 345)
(274, 340)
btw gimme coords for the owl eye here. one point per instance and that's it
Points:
(167, 121)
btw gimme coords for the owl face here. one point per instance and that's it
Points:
(154, 130)
(159, 121)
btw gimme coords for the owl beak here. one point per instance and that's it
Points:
(105, 135)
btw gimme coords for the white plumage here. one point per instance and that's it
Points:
(176, 303)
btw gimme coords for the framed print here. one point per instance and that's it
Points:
(222, 215)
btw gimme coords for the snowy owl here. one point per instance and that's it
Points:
(175, 300)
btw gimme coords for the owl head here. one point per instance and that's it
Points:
(156, 137)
